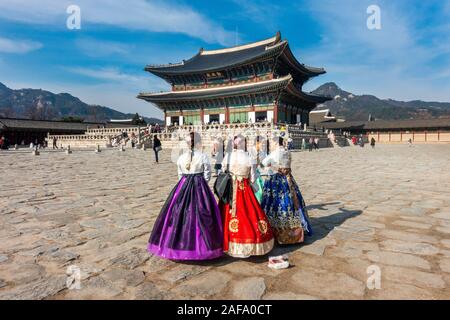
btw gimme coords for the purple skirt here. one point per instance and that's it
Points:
(189, 226)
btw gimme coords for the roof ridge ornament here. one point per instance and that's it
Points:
(271, 41)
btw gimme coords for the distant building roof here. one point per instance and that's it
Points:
(321, 116)
(423, 124)
(47, 125)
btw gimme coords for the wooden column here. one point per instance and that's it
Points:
(275, 113)
(202, 116)
(227, 114)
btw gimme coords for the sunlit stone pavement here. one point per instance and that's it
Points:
(387, 208)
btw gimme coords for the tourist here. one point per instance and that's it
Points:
(156, 147)
(410, 142)
(282, 202)
(316, 143)
(372, 142)
(361, 141)
(133, 140)
(217, 155)
(2, 141)
(290, 143)
(246, 229)
(311, 144)
(258, 153)
(54, 146)
(189, 226)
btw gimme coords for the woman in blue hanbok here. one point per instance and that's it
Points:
(282, 201)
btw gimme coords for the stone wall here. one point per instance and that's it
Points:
(416, 137)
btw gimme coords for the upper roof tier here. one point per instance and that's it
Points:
(217, 60)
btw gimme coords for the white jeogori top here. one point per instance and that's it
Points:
(200, 164)
(241, 164)
(279, 158)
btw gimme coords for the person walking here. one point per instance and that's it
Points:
(54, 146)
(372, 142)
(156, 147)
(316, 143)
(217, 155)
(189, 226)
(311, 144)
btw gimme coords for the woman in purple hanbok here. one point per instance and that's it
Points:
(189, 226)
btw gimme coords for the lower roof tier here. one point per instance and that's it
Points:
(283, 88)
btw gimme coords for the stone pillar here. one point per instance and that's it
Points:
(202, 116)
(275, 113)
(252, 117)
(269, 115)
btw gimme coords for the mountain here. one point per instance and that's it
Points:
(45, 105)
(353, 107)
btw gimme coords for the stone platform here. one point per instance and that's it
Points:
(388, 208)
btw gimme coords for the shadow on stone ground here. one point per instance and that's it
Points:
(321, 226)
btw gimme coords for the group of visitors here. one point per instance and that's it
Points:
(258, 202)
(4, 143)
(313, 143)
(359, 141)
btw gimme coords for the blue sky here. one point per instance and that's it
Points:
(102, 63)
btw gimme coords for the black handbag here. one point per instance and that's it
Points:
(223, 186)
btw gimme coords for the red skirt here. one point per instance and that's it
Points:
(246, 228)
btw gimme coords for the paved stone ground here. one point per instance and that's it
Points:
(388, 207)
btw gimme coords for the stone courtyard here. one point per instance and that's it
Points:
(387, 208)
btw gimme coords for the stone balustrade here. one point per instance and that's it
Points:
(114, 131)
(173, 136)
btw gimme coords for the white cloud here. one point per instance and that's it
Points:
(396, 61)
(155, 16)
(98, 48)
(18, 46)
(108, 74)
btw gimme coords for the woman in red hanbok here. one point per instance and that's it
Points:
(246, 228)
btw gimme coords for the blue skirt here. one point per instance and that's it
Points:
(285, 208)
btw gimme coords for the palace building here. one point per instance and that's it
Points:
(256, 82)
